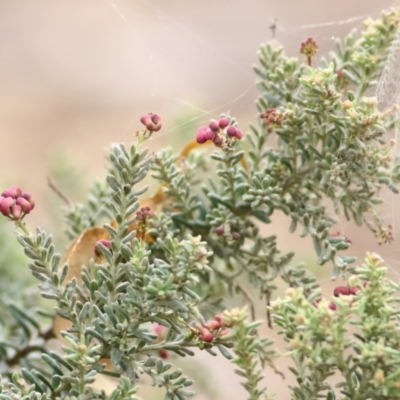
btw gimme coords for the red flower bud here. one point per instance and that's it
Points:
(218, 317)
(342, 290)
(217, 140)
(219, 230)
(104, 242)
(223, 122)
(29, 197)
(163, 353)
(16, 212)
(213, 125)
(209, 134)
(13, 191)
(231, 131)
(201, 136)
(239, 134)
(5, 206)
(151, 121)
(213, 325)
(206, 335)
(353, 290)
(332, 306)
(156, 119)
(25, 205)
(146, 121)
(235, 235)
(315, 302)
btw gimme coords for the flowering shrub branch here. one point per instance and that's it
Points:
(145, 279)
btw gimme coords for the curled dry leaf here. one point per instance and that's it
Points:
(81, 251)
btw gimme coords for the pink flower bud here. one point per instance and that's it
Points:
(163, 353)
(332, 306)
(342, 290)
(315, 302)
(144, 214)
(16, 212)
(13, 191)
(104, 242)
(353, 290)
(5, 206)
(223, 122)
(235, 235)
(239, 134)
(217, 140)
(25, 205)
(231, 131)
(206, 335)
(146, 121)
(209, 134)
(29, 197)
(159, 330)
(213, 125)
(219, 230)
(224, 332)
(213, 325)
(218, 317)
(201, 137)
(156, 119)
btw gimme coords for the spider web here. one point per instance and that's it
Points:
(235, 91)
(239, 102)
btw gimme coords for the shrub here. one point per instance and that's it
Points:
(146, 278)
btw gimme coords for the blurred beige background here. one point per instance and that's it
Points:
(77, 75)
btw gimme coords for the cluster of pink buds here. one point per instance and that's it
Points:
(222, 132)
(219, 230)
(309, 48)
(384, 235)
(332, 306)
(340, 291)
(344, 291)
(14, 204)
(152, 122)
(105, 243)
(346, 239)
(144, 214)
(210, 330)
(271, 117)
(143, 217)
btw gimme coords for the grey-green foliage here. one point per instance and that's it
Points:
(160, 286)
(24, 323)
(114, 303)
(331, 143)
(358, 342)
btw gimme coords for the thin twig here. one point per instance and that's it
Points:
(58, 192)
(240, 289)
(272, 27)
(24, 351)
(269, 319)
